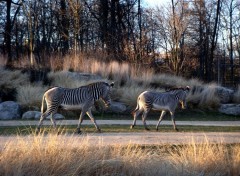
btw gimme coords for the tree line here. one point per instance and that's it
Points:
(186, 37)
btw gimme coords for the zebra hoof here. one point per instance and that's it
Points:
(132, 126)
(176, 129)
(147, 129)
(78, 131)
(37, 131)
(98, 130)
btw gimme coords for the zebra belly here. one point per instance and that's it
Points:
(71, 107)
(159, 107)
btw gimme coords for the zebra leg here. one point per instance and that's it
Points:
(53, 121)
(135, 115)
(80, 122)
(144, 116)
(160, 119)
(173, 120)
(42, 118)
(89, 113)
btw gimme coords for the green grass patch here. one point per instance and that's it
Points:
(23, 130)
(180, 115)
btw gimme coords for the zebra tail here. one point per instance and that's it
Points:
(42, 108)
(135, 110)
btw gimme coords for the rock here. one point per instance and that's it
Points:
(37, 115)
(117, 107)
(57, 116)
(230, 109)
(9, 110)
(225, 94)
(31, 115)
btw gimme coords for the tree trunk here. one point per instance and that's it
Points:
(8, 34)
(213, 43)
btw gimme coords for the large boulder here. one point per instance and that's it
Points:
(230, 109)
(37, 115)
(9, 110)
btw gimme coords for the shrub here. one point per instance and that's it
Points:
(10, 81)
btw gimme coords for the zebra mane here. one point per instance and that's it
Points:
(101, 82)
(178, 88)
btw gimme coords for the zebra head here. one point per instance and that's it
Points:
(182, 95)
(106, 92)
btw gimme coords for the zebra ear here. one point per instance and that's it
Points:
(188, 88)
(112, 84)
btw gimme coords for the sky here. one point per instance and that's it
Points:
(154, 3)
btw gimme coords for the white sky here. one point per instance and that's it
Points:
(154, 3)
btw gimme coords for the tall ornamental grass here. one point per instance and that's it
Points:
(71, 155)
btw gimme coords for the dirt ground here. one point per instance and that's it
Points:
(144, 138)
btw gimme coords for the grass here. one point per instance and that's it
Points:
(68, 155)
(30, 94)
(70, 129)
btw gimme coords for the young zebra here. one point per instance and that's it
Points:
(163, 101)
(79, 98)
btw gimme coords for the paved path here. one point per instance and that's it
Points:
(118, 122)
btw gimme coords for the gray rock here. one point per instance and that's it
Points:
(230, 109)
(57, 116)
(225, 94)
(37, 115)
(117, 107)
(31, 115)
(9, 110)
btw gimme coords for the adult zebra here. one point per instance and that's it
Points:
(163, 101)
(79, 98)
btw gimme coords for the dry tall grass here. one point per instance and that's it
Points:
(204, 96)
(3, 60)
(236, 96)
(71, 155)
(12, 79)
(30, 94)
(130, 79)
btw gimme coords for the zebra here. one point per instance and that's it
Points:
(163, 101)
(82, 98)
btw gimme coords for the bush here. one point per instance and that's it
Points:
(10, 81)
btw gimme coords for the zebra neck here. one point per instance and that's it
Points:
(95, 93)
